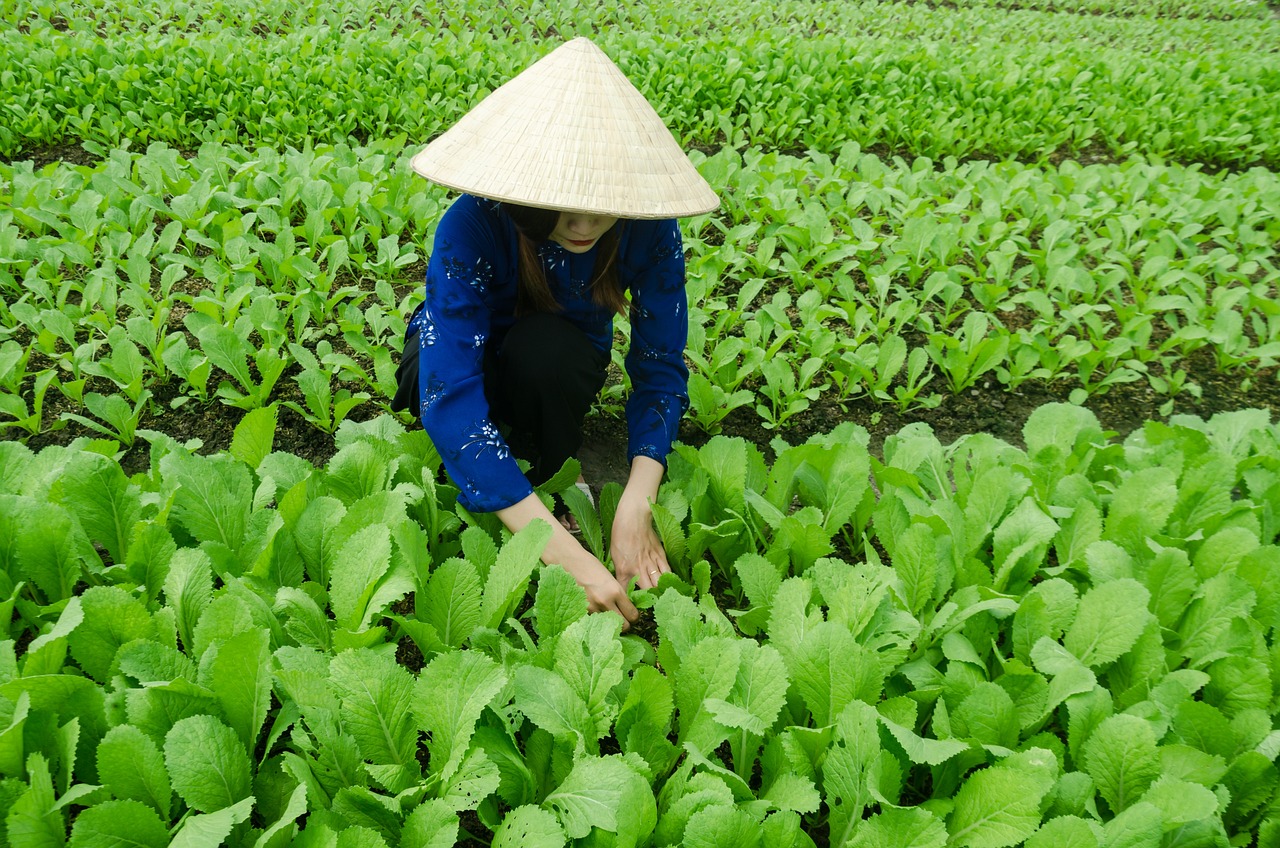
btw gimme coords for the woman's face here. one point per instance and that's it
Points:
(577, 232)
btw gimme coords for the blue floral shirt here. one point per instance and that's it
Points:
(471, 298)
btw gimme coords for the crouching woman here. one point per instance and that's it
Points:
(571, 184)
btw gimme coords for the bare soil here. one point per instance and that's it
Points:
(986, 409)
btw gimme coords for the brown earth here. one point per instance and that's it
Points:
(987, 409)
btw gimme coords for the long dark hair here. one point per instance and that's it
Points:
(534, 226)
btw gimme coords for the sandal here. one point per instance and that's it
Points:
(566, 517)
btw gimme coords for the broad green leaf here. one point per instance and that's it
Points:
(997, 807)
(1028, 690)
(212, 498)
(529, 827)
(1203, 726)
(1059, 425)
(1237, 684)
(119, 823)
(253, 436)
(847, 769)
(155, 709)
(377, 697)
(357, 471)
(1224, 550)
(1252, 780)
(921, 749)
(1140, 507)
(112, 618)
(360, 563)
(52, 550)
(1121, 757)
(716, 826)
(644, 720)
(95, 489)
(590, 796)
(509, 577)
(915, 563)
(474, 780)
(188, 590)
(1068, 676)
(1046, 611)
(1180, 802)
(516, 782)
(1182, 762)
(1140, 826)
(831, 669)
(211, 830)
(901, 828)
(1109, 621)
(450, 602)
(680, 626)
(12, 755)
(785, 830)
(759, 691)
(760, 582)
(241, 678)
(559, 602)
(226, 616)
(33, 820)
(450, 694)
(550, 702)
(589, 657)
(305, 621)
(314, 536)
(792, 792)
(151, 552)
(699, 791)
(131, 767)
(361, 807)
(1066, 832)
(54, 640)
(708, 671)
(207, 764)
(1172, 583)
(431, 825)
(295, 807)
(987, 715)
(1019, 545)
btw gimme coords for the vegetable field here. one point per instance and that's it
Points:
(243, 606)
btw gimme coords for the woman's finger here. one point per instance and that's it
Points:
(626, 609)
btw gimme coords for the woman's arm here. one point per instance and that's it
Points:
(603, 591)
(655, 362)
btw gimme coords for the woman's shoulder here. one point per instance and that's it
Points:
(469, 210)
(647, 240)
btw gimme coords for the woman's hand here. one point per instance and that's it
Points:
(634, 545)
(604, 593)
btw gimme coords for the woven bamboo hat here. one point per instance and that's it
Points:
(569, 133)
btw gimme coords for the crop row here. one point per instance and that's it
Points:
(1211, 9)
(980, 81)
(1139, 20)
(223, 274)
(1071, 644)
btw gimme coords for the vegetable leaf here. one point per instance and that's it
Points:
(207, 763)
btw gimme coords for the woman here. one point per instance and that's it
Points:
(571, 185)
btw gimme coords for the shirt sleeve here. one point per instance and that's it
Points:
(655, 361)
(452, 331)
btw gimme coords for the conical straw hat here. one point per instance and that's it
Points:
(569, 133)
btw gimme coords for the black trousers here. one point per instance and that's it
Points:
(540, 380)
